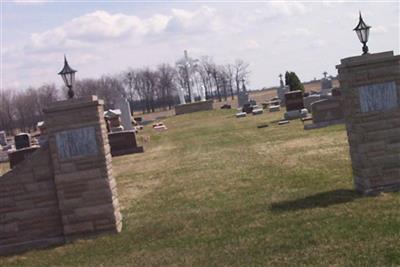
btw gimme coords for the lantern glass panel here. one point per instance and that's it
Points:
(64, 76)
(72, 78)
(359, 35)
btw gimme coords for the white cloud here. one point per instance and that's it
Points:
(95, 27)
(30, 2)
(296, 33)
(106, 41)
(379, 29)
(317, 43)
(288, 8)
(252, 44)
(200, 20)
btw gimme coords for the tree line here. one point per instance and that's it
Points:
(147, 89)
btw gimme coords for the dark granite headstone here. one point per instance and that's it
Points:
(327, 110)
(248, 108)
(22, 140)
(336, 92)
(122, 143)
(294, 100)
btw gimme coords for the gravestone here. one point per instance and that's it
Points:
(281, 91)
(123, 143)
(326, 85)
(3, 138)
(294, 100)
(240, 114)
(248, 108)
(122, 104)
(194, 107)
(42, 139)
(113, 119)
(257, 111)
(370, 87)
(274, 108)
(327, 110)
(243, 98)
(309, 100)
(22, 140)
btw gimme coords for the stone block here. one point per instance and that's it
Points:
(257, 111)
(293, 114)
(241, 114)
(194, 107)
(274, 108)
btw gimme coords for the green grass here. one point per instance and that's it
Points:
(216, 191)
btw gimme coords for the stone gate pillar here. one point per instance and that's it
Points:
(370, 86)
(81, 158)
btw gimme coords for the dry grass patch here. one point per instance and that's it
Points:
(4, 167)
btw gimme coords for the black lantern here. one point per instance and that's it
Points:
(362, 31)
(68, 75)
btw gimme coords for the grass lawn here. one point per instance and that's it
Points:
(217, 191)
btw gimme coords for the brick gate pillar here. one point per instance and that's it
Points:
(370, 86)
(81, 159)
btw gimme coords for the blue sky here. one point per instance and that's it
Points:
(107, 37)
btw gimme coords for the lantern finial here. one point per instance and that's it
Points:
(68, 75)
(362, 30)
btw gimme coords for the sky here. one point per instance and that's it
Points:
(108, 37)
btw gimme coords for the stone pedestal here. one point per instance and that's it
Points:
(83, 176)
(370, 86)
(17, 156)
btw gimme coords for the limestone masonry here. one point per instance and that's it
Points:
(65, 189)
(370, 87)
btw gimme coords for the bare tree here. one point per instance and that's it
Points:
(26, 113)
(107, 88)
(128, 79)
(240, 72)
(46, 94)
(7, 110)
(166, 84)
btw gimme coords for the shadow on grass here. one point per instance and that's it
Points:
(320, 200)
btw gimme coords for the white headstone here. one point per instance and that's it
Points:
(126, 119)
(202, 93)
(181, 96)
